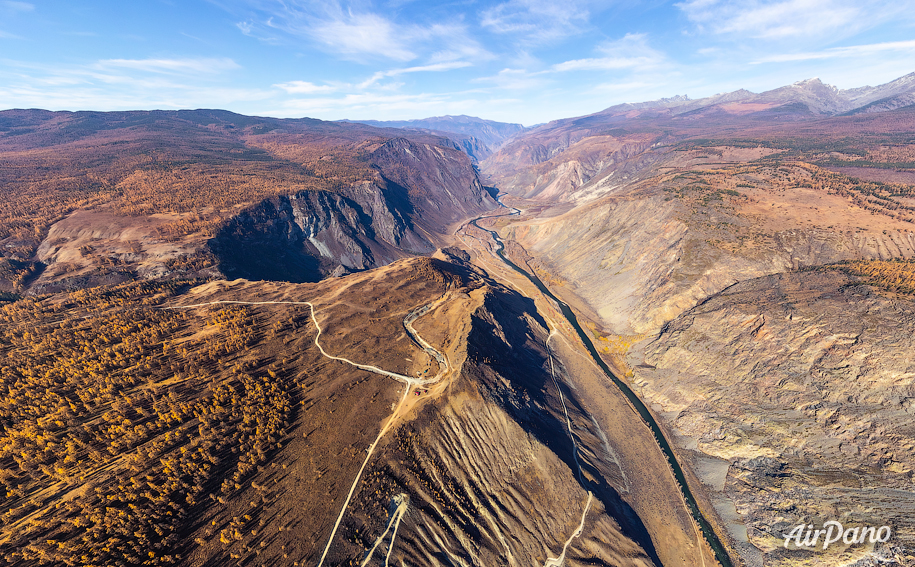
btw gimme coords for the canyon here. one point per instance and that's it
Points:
(662, 334)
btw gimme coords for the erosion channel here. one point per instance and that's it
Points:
(707, 531)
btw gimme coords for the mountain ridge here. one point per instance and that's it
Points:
(479, 137)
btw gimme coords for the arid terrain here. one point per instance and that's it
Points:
(750, 274)
(664, 334)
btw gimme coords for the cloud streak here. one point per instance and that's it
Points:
(305, 87)
(783, 19)
(359, 33)
(363, 35)
(372, 105)
(630, 52)
(172, 66)
(840, 52)
(434, 67)
(536, 20)
(17, 6)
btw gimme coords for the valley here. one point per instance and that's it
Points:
(662, 334)
(644, 237)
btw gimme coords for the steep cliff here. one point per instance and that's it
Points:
(442, 185)
(643, 249)
(419, 191)
(792, 395)
(306, 236)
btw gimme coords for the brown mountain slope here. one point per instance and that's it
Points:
(659, 242)
(792, 395)
(160, 184)
(220, 432)
(784, 383)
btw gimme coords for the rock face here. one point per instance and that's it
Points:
(476, 136)
(553, 167)
(442, 185)
(304, 237)
(800, 387)
(420, 191)
(640, 259)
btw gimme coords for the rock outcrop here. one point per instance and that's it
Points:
(421, 190)
(793, 395)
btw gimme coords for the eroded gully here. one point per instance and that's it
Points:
(705, 527)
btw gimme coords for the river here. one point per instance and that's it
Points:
(707, 531)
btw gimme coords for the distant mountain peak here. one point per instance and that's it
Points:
(815, 83)
(476, 136)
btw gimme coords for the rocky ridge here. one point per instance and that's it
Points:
(419, 192)
(792, 394)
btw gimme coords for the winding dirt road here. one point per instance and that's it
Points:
(558, 561)
(409, 381)
(403, 502)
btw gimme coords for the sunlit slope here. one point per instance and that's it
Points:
(92, 198)
(200, 423)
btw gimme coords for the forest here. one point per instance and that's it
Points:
(121, 418)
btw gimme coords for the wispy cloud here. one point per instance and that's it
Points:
(373, 105)
(358, 33)
(597, 64)
(17, 6)
(119, 93)
(117, 84)
(536, 20)
(841, 52)
(304, 87)
(365, 34)
(309, 88)
(434, 67)
(630, 52)
(172, 66)
(781, 19)
(515, 80)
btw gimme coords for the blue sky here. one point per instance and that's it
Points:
(526, 61)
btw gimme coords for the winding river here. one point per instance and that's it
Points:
(707, 531)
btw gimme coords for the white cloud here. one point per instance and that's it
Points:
(172, 66)
(434, 67)
(365, 34)
(308, 88)
(781, 19)
(358, 33)
(515, 79)
(119, 84)
(120, 94)
(537, 20)
(841, 52)
(630, 52)
(596, 64)
(17, 6)
(304, 87)
(374, 105)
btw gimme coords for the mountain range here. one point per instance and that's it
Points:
(478, 137)
(663, 334)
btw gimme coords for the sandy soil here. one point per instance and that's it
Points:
(877, 174)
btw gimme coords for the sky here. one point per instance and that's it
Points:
(523, 61)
